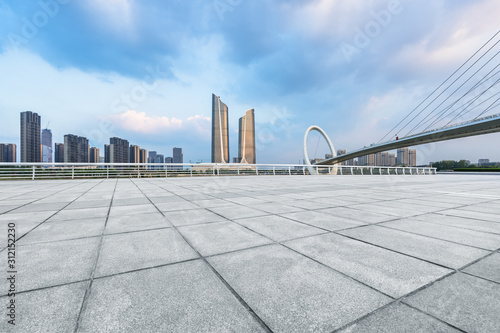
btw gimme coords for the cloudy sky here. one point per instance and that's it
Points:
(145, 70)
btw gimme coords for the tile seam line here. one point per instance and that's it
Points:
(86, 296)
(242, 302)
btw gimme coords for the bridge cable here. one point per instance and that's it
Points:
(449, 87)
(440, 114)
(498, 92)
(491, 107)
(435, 90)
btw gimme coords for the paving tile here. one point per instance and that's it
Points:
(176, 205)
(463, 236)
(79, 214)
(395, 210)
(357, 214)
(472, 215)
(27, 217)
(41, 207)
(60, 230)
(275, 208)
(323, 220)
(193, 216)
(184, 297)
(460, 222)
(212, 203)
(294, 294)
(434, 250)
(306, 204)
(488, 268)
(136, 250)
(464, 301)
(80, 203)
(392, 273)
(127, 223)
(48, 264)
(132, 209)
(397, 318)
(279, 228)
(53, 310)
(219, 237)
(237, 212)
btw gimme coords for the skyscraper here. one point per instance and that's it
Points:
(134, 155)
(412, 160)
(177, 155)
(94, 155)
(76, 149)
(46, 145)
(59, 152)
(142, 156)
(7, 152)
(118, 150)
(403, 157)
(151, 156)
(107, 154)
(246, 138)
(30, 137)
(220, 131)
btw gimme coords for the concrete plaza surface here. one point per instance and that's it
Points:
(254, 254)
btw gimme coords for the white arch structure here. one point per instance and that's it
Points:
(330, 144)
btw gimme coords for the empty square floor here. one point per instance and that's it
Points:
(252, 254)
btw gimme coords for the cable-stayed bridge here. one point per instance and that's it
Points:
(471, 92)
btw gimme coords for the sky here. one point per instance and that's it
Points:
(145, 70)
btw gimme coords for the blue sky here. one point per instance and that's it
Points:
(145, 70)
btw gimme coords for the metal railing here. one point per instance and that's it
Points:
(32, 171)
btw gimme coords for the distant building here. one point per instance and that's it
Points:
(246, 138)
(178, 157)
(482, 161)
(392, 159)
(236, 160)
(30, 137)
(143, 156)
(220, 131)
(152, 156)
(384, 159)
(169, 160)
(107, 154)
(76, 149)
(8, 152)
(412, 158)
(366, 160)
(59, 152)
(403, 157)
(159, 158)
(118, 150)
(134, 154)
(46, 145)
(377, 159)
(94, 155)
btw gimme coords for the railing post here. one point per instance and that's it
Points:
(138, 172)
(404, 173)
(213, 170)
(33, 173)
(289, 170)
(238, 170)
(361, 171)
(107, 172)
(274, 170)
(352, 173)
(341, 171)
(72, 172)
(371, 171)
(218, 171)
(256, 170)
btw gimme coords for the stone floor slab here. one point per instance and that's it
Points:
(488, 268)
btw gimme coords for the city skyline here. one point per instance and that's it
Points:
(355, 85)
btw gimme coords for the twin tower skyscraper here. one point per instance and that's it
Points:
(220, 134)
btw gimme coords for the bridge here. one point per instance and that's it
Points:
(486, 125)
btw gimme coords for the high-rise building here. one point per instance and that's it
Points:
(46, 145)
(392, 159)
(30, 137)
(384, 159)
(412, 158)
(246, 138)
(142, 156)
(118, 150)
(236, 160)
(403, 157)
(76, 149)
(366, 160)
(220, 131)
(134, 154)
(159, 158)
(377, 159)
(7, 152)
(59, 152)
(177, 155)
(151, 156)
(94, 155)
(107, 154)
